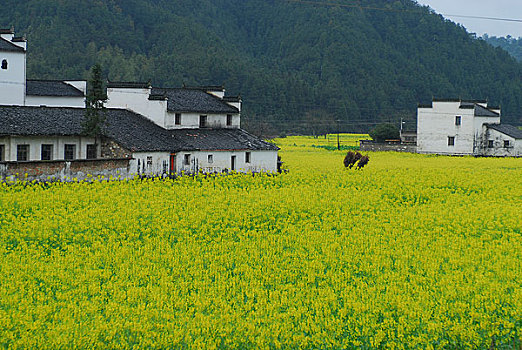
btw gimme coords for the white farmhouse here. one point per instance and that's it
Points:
(459, 127)
(159, 131)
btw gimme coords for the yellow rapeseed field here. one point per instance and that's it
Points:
(413, 251)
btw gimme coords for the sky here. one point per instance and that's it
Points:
(511, 9)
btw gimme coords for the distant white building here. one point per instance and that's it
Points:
(459, 127)
(160, 131)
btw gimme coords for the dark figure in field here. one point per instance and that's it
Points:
(362, 162)
(351, 158)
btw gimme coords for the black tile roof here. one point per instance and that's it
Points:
(132, 131)
(128, 85)
(193, 100)
(221, 139)
(51, 88)
(507, 129)
(484, 112)
(6, 45)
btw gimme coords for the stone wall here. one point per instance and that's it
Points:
(76, 170)
(371, 146)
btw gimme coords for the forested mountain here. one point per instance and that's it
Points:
(510, 44)
(297, 64)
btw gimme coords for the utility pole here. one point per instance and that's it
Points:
(338, 131)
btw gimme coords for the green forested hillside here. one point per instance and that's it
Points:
(510, 44)
(296, 64)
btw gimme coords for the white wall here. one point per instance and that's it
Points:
(12, 80)
(191, 121)
(150, 163)
(137, 100)
(35, 146)
(260, 161)
(55, 101)
(498, 149)
(435, 125)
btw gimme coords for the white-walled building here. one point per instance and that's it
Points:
(159, 130)
(16, 90)
(458, 127)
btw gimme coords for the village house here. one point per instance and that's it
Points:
(460, 127)
(148, 131)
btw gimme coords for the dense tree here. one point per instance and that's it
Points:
(95, 110)
(383, 132)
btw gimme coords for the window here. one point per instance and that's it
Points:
(247, 157)
(46, 152)
(458, 120)
(186, 159)
(92, 151)
(2, 151)
(451, 140)
(229, 119)
(491, 144)
(202, 121)
(177, 119)
(69, 152)
(149, 161)
(506, 143)
(210, 159)
(22, 153)
(4, 64)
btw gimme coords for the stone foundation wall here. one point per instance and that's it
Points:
(370, 146)
(76, 170)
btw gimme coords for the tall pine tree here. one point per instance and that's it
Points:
(95, 113)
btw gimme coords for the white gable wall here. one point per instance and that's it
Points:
(12, 79)
(435, 125)
(137, 100)
(55, 101)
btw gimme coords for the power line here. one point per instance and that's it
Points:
(334, 4)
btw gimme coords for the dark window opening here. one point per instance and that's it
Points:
(210, 159)
(92, 151)
(69, 152)
(177, 119)
(149, 161)
(2, 151)
(229, 119)
(451, 140)
(46, 152)
(4, 64)
(202, 121)
(458, 120)
(491, 144)
(233, 163)
(247, 157)
(22, 153)
(186, 159)
(506, 143)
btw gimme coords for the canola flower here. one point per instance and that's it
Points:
(414, 251)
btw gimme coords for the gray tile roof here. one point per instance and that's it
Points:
(484, 112)
(130, 130)
(6, 45)
(51, 88)
(128, 85)
(193, 100)
(221, 139)
(507, 129)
